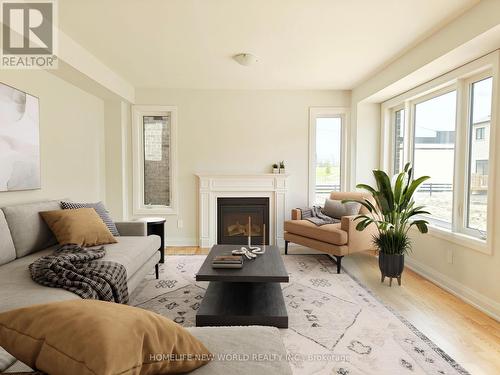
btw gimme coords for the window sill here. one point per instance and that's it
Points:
(461, 239)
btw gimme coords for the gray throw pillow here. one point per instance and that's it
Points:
(337, 209)
(99, 208)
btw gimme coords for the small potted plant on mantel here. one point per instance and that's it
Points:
(275, 168)
(393, 213)
(282, 166)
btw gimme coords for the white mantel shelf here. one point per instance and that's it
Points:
(268, 185)
(252, 175)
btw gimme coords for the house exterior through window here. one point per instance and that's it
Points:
(446, 135)
(154, 160)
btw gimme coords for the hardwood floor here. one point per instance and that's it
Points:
(466, 334)
(186, 251)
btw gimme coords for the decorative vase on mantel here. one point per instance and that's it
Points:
(282, 167)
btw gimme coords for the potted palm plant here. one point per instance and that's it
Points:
(393, 213)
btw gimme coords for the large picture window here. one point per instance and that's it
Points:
(444, 129)
(434, 154)
(154, 145)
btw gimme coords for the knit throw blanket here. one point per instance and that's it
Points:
(80, 271)
(316, 216)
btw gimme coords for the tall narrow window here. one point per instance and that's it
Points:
(434, 154)
(399, 134)
(328, 157)
(154, 160)
(479, 150)
(327, 150)
(156, 134)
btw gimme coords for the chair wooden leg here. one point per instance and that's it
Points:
(338, 260)
(390, 281)
(157, 271)
(399, 280)
(382, 279)
(286, 247)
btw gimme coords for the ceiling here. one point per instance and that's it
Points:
(301, 44)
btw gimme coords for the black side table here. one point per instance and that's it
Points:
(156, 225)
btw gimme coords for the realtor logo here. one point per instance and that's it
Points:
(28, 34)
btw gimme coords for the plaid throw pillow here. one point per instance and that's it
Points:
(99, 208)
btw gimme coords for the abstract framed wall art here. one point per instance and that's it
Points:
(19, 140)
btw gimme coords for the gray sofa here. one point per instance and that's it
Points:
(24, 237)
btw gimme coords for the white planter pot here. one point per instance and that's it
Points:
(282, 170)
(276, 170)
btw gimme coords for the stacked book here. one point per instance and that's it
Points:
(227, 261)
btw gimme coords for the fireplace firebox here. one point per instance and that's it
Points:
(232, 220)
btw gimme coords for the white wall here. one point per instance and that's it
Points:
(365, 142)
(116, 119)
(469, 36)
(238, 132)
(472, 275)
(71, 139)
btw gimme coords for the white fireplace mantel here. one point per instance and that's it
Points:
(213, 186)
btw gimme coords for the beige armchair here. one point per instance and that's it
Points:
(338, 239)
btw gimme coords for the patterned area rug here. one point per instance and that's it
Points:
(336, 325)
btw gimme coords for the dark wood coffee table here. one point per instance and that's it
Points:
(248, 296)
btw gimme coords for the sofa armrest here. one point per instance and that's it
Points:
(358, 241)
(132, 228)
(296, 214)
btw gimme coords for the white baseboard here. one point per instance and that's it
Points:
(195, 242)
(468, 295)
(181, 241)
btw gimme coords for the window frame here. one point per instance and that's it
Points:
(138, 112)
(327, 112)
(461, 78)
(468, 141)
(413, 109)
(393, 137)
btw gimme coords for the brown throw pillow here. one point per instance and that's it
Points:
(81, 226)
(89, 337)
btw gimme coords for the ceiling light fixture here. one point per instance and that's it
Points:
(245, 59)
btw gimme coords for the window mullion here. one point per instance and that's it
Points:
(391, 144)
(409, 131)
(461, 155)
